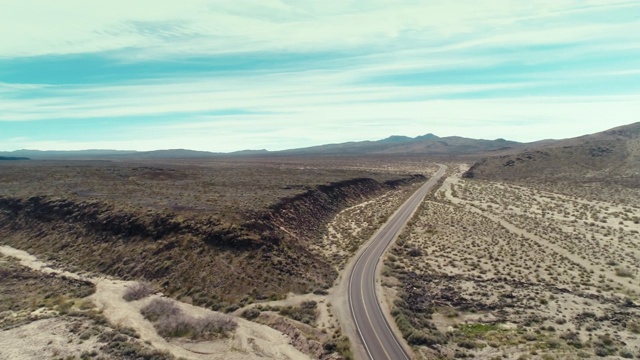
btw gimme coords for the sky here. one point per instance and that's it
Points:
(230, 75)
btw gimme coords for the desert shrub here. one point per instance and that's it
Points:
(139, 291)
(174, 326)
(634, 327)
(122, 343)
(561, 321)
(344, 348)
(320, 292)
(132, 350)
(231, 308)
(312, 305)
(341, 345)
(415, 251)
(159, 308)
(428, 337)
(403, 324)
(131, 332)
(305, 313)
(182, 325)
(602, 351)
(605, 345)
(606, 339)
(624, 272)
(572, 339)
(329, 347)
(250, 314)
(170, 321)
(626, 353)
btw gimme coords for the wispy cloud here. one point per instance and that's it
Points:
(220, 75)
(206, 27)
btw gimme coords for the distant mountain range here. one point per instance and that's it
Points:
(613, 152)
(110, 154)
(428, 144)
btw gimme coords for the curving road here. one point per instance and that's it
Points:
(379, 340)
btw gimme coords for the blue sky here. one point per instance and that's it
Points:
(231, 75)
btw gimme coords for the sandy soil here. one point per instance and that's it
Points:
(249, 341)
(52, 340)
(350, 228)
(516, 272)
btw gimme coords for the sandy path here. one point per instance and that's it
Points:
(249, 341)
(32, 262)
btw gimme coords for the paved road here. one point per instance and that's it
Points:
(379, 340)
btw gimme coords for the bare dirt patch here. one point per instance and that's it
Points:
(248, 341)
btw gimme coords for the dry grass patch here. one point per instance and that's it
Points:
(171, 322)
(306, 312)
(139, 291)
(251, 224)
(353, 226)
(23, 291)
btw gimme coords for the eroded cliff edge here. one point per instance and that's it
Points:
(198, 258)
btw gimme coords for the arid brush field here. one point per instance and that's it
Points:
(250, 225)
(525, 252)
(530, 255)
(217, 234)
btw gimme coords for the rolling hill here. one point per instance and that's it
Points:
(612, 156)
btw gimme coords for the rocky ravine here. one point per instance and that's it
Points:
(197, 259)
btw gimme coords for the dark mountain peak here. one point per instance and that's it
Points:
(250, 152)
(428, 136)
(177, 151)
(396, 138)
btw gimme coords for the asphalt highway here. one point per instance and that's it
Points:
(379, 341)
